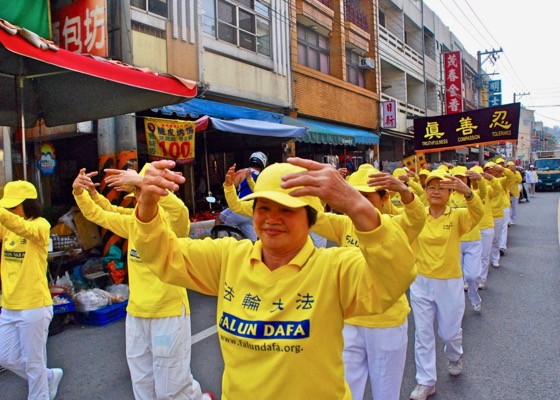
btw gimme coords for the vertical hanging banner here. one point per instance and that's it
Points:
(453, 71)
(389, 114)
(475, 127)
(170, 139)
(81, 27)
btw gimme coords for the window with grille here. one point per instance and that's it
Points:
(313, 49)
(243, 23)
(354, 74)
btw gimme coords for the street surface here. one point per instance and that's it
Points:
(512, 349)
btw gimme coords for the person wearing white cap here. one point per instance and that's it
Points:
(281, 301)
(437, 292)
(26, 300)
(531, 178)
(244, 181)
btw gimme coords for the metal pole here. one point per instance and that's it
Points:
(20, 83)
(479, 61)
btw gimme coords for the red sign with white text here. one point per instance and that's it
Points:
(453, 82)
(81, 27)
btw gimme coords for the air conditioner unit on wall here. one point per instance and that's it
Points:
(367, 63)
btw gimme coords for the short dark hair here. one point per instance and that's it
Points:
(32, 208)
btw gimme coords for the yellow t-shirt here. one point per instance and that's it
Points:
(149, 297)
(340, 229)
(23, 266)
(280, 331)
(438, 247)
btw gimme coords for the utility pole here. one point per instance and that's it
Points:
(491, 54)
(520, 95)
(515, 100)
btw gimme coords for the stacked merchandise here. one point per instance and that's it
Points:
(62, 307)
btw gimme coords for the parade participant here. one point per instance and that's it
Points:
(375, 345)
(486, 224)
(471, 242)
(437, 291)
(244, 181)
(501, 179)
(158, 326)
(26, 300)
(514, 194)
(507, 208)
(282, 302)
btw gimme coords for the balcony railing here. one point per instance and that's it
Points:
(353, 14)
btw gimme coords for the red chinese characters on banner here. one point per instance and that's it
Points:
(453, 82)
(81, 27)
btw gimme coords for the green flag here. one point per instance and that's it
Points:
(30, 14)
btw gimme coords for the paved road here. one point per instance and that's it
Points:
(512, 349)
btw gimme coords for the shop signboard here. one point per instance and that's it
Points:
(81, 27)
(453, 82)
(389, 114)
(170, 139)
(46, 160)
(489, 125)
(495, 99)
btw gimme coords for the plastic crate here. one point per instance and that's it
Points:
(57, 324)
(103, 316)
(63, 308)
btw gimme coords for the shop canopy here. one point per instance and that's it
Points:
(326, 133)
(197, 107)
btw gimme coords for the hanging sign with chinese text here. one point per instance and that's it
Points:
(389, 114)
(81, 27)
(475, 127)
(170, 139)
(453, 82)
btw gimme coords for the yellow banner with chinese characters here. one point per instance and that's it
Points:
(170, 139)
(410, 162)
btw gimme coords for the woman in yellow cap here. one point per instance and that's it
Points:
(158, 321)
(471, 242)
(26, 300)
(437, 291)
(281, 301)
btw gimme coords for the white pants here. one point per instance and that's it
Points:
(443, 299)
(158, 352)
(495, 253)
(23, 347)
(514, 202)
(471, 264)
(379, 352)
(487, 238)
(507, 218)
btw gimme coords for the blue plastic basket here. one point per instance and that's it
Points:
(63, 308)
(103, 316)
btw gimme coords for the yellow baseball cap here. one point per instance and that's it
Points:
(424, 171)
(16, 192)
(360, 178)
(437, 174)
(459, 170)
(443, 167)
(489, 164)
(477, 168)
(141, 173)
(268, 187)
(399, 172)
(510, 163)
(499, 160)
